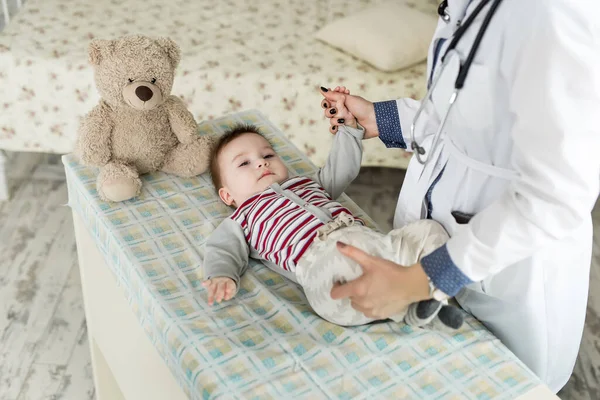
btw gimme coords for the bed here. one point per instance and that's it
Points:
(153, 336)
(235, 55)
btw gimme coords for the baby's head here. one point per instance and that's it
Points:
(243, 163)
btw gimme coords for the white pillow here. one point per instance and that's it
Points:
(389, 36)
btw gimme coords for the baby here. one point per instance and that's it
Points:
(292, 224)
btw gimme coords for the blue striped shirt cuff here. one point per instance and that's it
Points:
(388, 124)
(442, 271)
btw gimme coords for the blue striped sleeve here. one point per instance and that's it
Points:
(388, 124)
(442, 271)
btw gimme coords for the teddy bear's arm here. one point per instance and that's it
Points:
(182, 121)
(94, 138)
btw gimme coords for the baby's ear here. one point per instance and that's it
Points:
(172, 50)
(226, 196)
(99, 49)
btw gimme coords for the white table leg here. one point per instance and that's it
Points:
(126, 364)
(104, 380)
(3, 176)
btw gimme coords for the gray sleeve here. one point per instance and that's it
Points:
(226, 252)
(343, 162)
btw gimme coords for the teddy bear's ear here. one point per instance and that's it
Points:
(171, 48)
(99, 49)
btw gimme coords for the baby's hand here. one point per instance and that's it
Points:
(336, 110)
(341, 89)
(219, 289)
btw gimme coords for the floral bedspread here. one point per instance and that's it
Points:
(236, 55)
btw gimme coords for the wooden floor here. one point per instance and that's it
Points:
(44, 350)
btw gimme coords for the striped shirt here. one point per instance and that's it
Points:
(281, 230)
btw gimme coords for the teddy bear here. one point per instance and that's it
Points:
(138, 126)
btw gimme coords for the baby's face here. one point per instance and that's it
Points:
(248, 165)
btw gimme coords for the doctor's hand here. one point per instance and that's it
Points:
(219, 289)
(363, 110)
(337, 112)
(385, 288)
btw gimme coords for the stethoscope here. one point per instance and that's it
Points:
(463, 71)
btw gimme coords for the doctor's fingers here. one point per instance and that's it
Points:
(359, 307)
(331, 107)
(329, 102)
(341, 117)
(364, 259)
(330, 95)
(333, 95)
(356, 290)
(369, 311)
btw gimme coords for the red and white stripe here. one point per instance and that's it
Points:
(279, 229)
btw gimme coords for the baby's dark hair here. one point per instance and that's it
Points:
(228, 136)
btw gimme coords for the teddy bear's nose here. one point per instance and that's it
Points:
(144, 93)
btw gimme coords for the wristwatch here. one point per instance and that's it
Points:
(436, 293)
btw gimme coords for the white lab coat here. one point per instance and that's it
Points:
(521, 150)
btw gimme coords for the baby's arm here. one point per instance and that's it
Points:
(226, 258)
(343, 162)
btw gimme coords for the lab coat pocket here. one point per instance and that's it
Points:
(473, 109)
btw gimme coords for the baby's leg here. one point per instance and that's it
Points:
(323, 265)
(411, 243)
(423, 312)
(417, 239)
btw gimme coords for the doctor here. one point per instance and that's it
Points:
(507, 158)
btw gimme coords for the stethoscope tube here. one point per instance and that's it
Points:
(443, 11)
(464, 70)
(462, 74)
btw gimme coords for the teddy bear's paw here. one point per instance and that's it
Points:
(118, 182)
(190, 159)
(120, 189)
